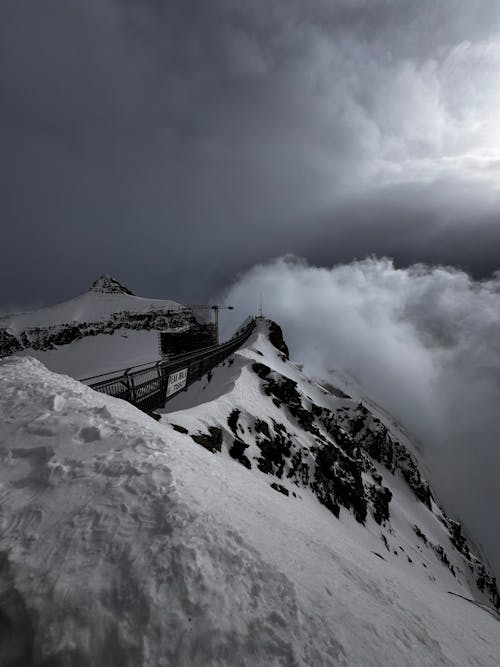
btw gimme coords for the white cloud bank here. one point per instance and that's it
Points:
(423, 341)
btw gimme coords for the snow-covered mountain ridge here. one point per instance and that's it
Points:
(106, 308)
(105, 329)
(262, 521)
(305, 435)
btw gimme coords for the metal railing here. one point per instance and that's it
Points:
(149, 388)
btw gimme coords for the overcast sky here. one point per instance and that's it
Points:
(175, 144)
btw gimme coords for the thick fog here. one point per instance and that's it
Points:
(424, 342)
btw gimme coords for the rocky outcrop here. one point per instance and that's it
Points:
(212, 441)
(108, 285)
(48, 338)
(64, 333)
(343, 465)
(371, 435)
(276, 339)
(9, 344)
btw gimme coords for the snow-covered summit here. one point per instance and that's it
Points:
(78, 330)
(105, 299)
(262, 521)
(109, 285)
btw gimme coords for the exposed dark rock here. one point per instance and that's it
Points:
(443, 557)
(338, 481)
(275, 449)
(458, 539)
(8, 343)
(237, 452)
(281, 489)
(380, 497)
(232, 420)
(437, 548)
(299, 469)
(109, 285)
(261, 370)
(338, 433)
(420, 534)
(375, 439)
(335, 390)
(180, 429)
(212, 442)
(358, 421)
(488, 584)
(47, 338)
(263, 428)
(334, 466)
(283, 388)
(276, 339)
(284, 391)
(485, 581)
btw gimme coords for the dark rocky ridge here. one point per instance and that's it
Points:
(109, 285)
(276, 338)
(341, 466)
(48, 338)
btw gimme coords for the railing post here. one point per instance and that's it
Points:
(131, 385)
(198, 364)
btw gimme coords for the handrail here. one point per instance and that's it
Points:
(185, 356)
(149, 388)
(146, 363)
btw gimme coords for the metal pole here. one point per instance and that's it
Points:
(216, 322)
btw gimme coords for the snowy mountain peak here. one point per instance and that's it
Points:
(109, 285)
(75, 336)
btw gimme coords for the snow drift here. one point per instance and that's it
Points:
(126, 541)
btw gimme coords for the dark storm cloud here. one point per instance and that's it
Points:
(175, 143)
(436, 223)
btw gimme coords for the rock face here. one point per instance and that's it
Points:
(9, 344)
(83, 316)
(346, 456)
(276, 338)
(109, 285)
(49, 338)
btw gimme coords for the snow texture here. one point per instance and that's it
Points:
(125, 542)
(74, 337)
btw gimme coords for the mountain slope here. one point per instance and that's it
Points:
(126, 541)
(74, 337)
(271, 418)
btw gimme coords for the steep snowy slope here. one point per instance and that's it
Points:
(126, 541)
(266, 414)
(74, 337)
